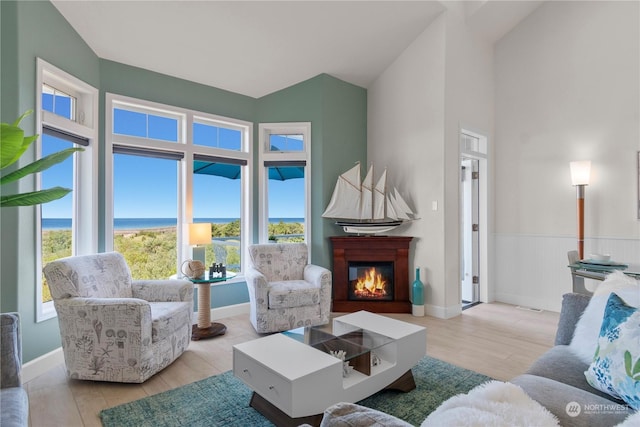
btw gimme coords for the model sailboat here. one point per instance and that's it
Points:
(360, 207)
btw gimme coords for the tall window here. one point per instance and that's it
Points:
(171, 167)
(285, 182)
(66, 117)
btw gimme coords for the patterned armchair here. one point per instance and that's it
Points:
(285, 292)
(114, 328)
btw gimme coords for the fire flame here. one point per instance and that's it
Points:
(371, 283)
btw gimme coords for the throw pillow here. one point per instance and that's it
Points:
(585, 337)
(616, 365)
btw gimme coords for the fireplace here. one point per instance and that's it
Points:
(370, 281)
(371, 273)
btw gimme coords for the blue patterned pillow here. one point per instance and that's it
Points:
(616, 365)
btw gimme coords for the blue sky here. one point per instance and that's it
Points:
(147, 187)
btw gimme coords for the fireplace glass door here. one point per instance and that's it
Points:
(371, 281)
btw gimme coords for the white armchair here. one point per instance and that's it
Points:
(285, 292)
(114, 328)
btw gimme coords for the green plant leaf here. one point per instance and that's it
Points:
(13, 143)
(34, 197)
(19, 119)
(627, 363)
(39, 165)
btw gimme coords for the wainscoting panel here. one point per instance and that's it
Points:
(531, 271)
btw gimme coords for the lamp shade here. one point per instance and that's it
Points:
(580, 172)
(199, 233)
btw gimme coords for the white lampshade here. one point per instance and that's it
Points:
(200, 233)
(580, 172)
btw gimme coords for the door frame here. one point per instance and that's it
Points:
(479, 152)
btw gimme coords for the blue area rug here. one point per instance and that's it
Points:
(223, 400)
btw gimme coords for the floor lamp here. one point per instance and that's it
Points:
(580, 172)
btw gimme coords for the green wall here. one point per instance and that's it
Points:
(337, 111)
(338, 114)
(30, 30)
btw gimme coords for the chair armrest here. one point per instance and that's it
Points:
(258, 289)
(10, 351)
(256, 279)
(316, 274)
(573, 305)
(163, 290)
(102, 316)
(322, 278)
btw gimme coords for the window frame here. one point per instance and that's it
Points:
(185, 146)
(84, 222)
(267, 155)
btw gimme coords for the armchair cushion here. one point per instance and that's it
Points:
(293, 293)
(280, 261)
(162, 290)
(104, 276)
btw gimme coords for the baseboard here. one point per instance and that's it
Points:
(42, 364)
(443, 312)
(230, 310)
(46, 362)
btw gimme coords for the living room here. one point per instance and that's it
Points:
(559, 86)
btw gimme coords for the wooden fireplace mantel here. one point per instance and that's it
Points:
(371, 248)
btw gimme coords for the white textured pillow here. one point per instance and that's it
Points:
(585, 337)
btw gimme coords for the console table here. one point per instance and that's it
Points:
(584, 270)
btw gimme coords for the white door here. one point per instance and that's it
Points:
(470, 242)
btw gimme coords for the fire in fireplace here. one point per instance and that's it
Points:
(371, 281)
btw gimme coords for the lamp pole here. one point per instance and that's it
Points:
(580, 209)
(580, 173)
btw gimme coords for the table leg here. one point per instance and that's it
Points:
(204, 328)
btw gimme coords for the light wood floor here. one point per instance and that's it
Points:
(497, 340)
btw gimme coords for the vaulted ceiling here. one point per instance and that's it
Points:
(258, 47)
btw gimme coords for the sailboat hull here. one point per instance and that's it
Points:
(373, 227)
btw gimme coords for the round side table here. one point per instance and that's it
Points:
(205, 328)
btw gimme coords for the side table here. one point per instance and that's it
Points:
(205, 328)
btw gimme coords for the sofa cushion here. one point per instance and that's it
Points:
(560, 363)
(10, 351)
(14, 407)
(167, 317)
(585, 337)
(572, 406)
(293, 293)
(616, 364)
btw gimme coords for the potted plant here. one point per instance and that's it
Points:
(13, 144)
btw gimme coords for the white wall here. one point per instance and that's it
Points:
(415, 109)
(566, 88)
(405, 134)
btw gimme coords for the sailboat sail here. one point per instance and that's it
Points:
(345, 201)
(378, 196)
(366, 203)
(362, 208)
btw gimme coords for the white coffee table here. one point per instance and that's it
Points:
(294, 382)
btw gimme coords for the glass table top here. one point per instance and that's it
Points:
(354, 343)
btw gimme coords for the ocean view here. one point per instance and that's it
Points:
(144, 223)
